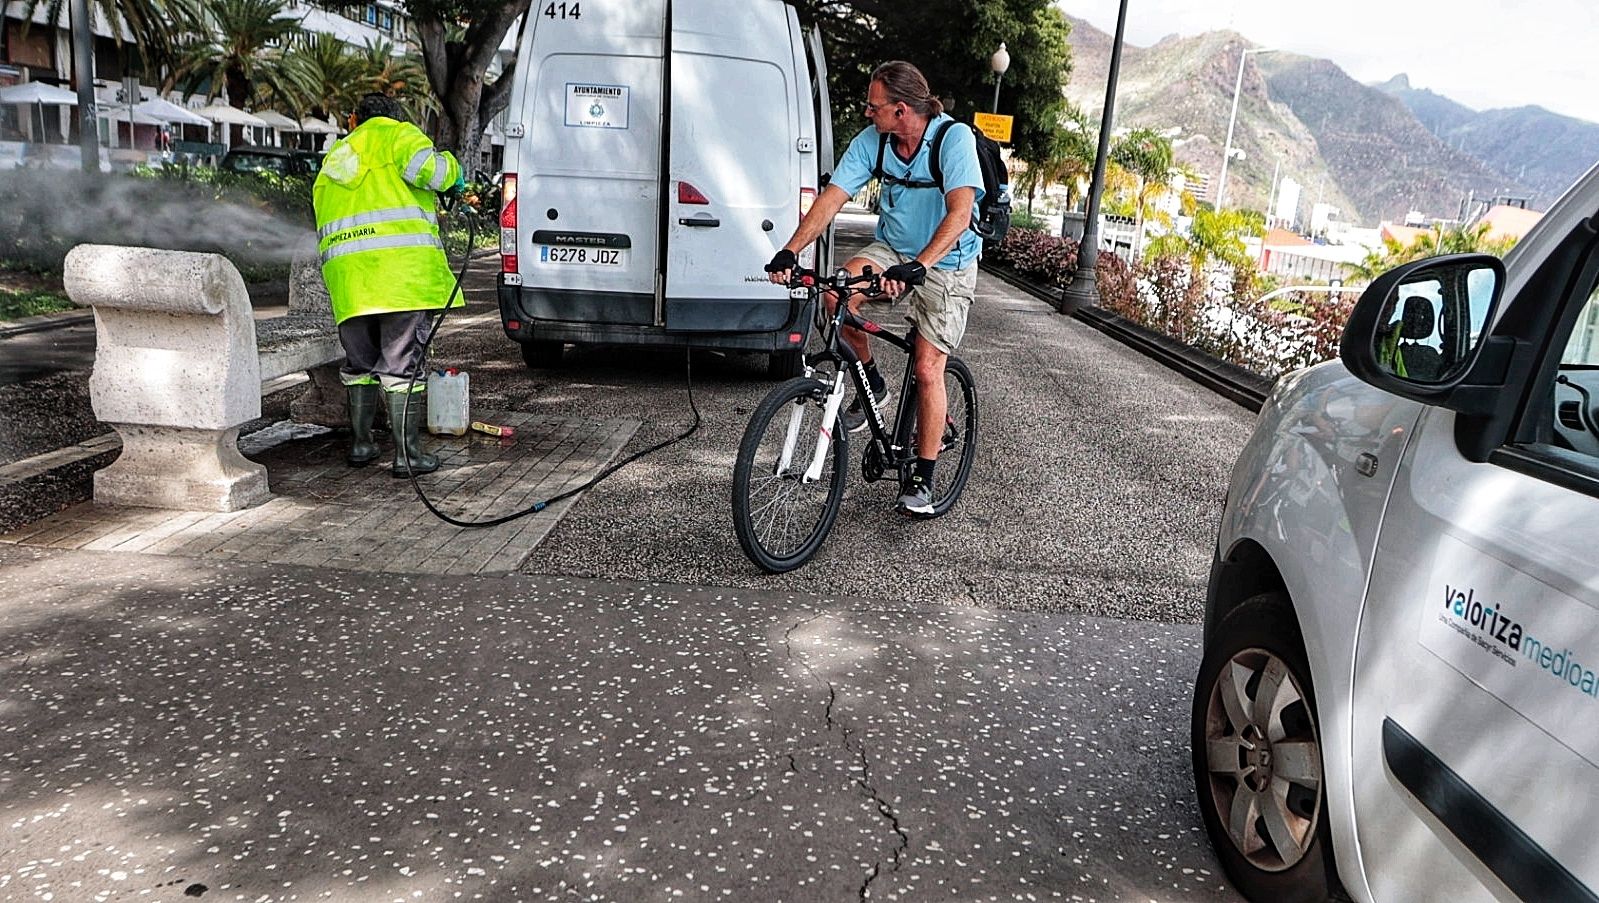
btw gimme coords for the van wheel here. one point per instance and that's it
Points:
(542, 355)
(785, 364)
(1256, 743)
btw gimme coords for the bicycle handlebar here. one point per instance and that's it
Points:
(841, 281)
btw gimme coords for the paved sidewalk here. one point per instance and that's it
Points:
(325, 514)
(174, 728)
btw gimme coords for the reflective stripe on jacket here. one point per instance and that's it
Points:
(377, 221)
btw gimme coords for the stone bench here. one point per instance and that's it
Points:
(179, 367)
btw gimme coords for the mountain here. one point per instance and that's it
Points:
(1364, 149)
(1435, 111)
(1543, 150)
(1186, 83)
(1375, 146)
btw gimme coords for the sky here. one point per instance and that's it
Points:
(1485, 54)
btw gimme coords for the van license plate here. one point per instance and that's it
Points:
(593, 257)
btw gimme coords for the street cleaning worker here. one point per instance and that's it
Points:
(384, 265)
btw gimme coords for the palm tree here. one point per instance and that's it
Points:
(1214, 236)
(322, 76)
(1451, 240)
(236, 48)
(1147, 157)
(400, 76)
(1069, 161)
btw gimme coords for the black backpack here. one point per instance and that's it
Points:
(991, 219)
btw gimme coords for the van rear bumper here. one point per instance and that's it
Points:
(529, 314)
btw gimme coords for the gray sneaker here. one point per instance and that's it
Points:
(855, 418)
(917, 498)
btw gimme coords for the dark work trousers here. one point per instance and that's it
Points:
(388, 347)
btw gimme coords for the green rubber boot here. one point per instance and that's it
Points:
(363, 410)
(406, 422)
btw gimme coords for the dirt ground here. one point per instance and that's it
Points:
(22, 281)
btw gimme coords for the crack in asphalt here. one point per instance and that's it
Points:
(864, 779)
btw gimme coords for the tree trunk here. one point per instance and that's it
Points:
(456, 72)
(237, 88)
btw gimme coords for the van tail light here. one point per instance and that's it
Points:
(807, 257)
(688, 194)
(508, 224)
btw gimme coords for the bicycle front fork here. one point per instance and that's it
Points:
(824, 433)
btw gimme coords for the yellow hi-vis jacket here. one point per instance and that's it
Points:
(377, 220)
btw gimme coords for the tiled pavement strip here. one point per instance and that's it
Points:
(325, 514)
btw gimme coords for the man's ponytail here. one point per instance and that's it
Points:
(904, 83)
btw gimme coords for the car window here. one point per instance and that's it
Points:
(1569, 415)
(1583, 348)
(255, 163)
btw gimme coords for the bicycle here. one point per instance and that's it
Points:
(787, 489)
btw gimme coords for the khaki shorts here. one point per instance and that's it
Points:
(938, 306)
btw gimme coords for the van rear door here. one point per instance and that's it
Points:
(822, 109)
(588, 202)
(739, 137)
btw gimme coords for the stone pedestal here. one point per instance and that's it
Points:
(175, 373)
(325, 401)
(192, 470)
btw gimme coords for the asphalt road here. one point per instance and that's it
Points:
(1097, 487)
(175, 728)
(992, 705)
(38, 353)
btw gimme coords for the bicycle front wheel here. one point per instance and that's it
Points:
(781, 515)
(958, 449)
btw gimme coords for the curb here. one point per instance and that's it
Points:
(1231, 381)
(59, 320)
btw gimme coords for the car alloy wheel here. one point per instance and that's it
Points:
(1264, 759)
(1257, 756)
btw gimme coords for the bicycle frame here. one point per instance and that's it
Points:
(834, 349)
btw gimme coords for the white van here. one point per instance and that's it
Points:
(642, 200)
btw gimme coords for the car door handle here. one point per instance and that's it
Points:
(701, 221)
(1366, 464)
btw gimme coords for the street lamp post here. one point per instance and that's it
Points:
(999, 62)
(1232, 119)
(1084, 288)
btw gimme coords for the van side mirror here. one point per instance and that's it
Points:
(1418, 331)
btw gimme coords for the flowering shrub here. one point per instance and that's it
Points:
(1038, 256)
(1051, 260)
(1268, 338)
(1115, 279)
(1219, 314)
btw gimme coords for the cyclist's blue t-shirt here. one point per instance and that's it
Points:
(910, 216)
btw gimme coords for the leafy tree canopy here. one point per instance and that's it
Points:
(951, 41)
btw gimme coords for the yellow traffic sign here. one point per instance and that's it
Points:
(995, 126)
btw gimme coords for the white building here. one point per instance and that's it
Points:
(1285, 211)
(1322, 218)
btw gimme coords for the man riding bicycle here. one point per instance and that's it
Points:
(923, 245)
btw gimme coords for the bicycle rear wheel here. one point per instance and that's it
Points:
(958, 450)
(780, 518)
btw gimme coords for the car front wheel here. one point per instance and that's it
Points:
(1257, 757)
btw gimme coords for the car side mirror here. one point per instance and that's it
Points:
(1419, 330)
